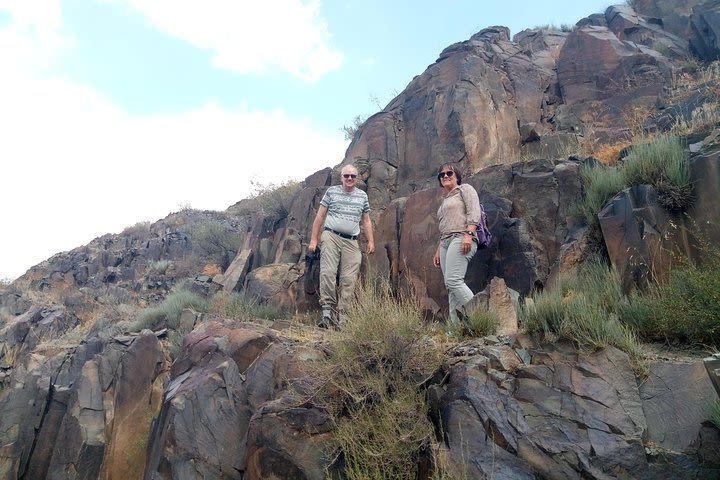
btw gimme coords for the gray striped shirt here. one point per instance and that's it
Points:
(345, 209)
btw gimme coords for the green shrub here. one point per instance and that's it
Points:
(661, 163)
(369, 384)
(214, 241)
(159, 267)
(601, 184)
(587, 308)
(275, 199)
(480, 323)
(140, 229)
(715, 414)
(176, 338)
(685, 308)
(238, 306)
(349, 131)
(167, 313)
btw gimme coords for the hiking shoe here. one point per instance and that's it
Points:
(326, 321)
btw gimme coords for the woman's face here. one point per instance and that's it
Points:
(447, 178)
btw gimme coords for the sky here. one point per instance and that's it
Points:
(115, 112)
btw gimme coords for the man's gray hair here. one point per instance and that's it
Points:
(349, 165)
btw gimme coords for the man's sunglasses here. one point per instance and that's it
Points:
(349, 175)
(449, 173)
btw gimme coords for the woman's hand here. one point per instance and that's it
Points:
(466, 244)
(436, 258)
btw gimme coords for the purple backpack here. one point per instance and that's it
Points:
(482, 232)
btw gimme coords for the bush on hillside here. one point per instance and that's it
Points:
(159, 267)
(238, 306)
(662, 163)
(685, 308)
(275, 199)
(480, 322)
(167, 313)
(601, 184)
(589, 308)
(370, 385)
(214, 241)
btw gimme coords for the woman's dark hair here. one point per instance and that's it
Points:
(452, 167)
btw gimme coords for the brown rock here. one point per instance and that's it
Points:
(505, 303)
(675, 399)
(235, 273)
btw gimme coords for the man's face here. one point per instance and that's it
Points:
(349, 177)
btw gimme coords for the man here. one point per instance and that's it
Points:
(338, 218)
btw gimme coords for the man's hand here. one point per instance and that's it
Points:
(312, 246)
(371, 247)
(436, 258)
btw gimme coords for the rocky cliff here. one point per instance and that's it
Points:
(83, 394)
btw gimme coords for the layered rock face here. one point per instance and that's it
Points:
(236, 404)
(81, 411)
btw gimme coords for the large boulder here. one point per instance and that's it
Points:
(564, 415)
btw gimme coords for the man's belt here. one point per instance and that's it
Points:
(343, 235)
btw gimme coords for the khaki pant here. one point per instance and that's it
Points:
(341, 255)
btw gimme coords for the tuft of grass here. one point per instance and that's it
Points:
(167, 313)
(480, 323)
(175, 342)
(601, 184)
(662, 163)
(588, 308)
(371, 385)
(238, 306)
(140, 229)
(715, 414)
(159, 267)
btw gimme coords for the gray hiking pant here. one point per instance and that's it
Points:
(454, 266)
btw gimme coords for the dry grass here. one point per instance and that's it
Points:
(610, 154)
(635, 117)
(211, 269)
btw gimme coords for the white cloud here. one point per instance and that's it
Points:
(250, 36)
(32, 42)
(75, 165)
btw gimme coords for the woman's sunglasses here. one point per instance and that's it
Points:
(449, 173)
(349, 175)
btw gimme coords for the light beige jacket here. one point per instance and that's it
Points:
(454, 214)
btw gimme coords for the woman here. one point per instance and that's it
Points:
(458, 217)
